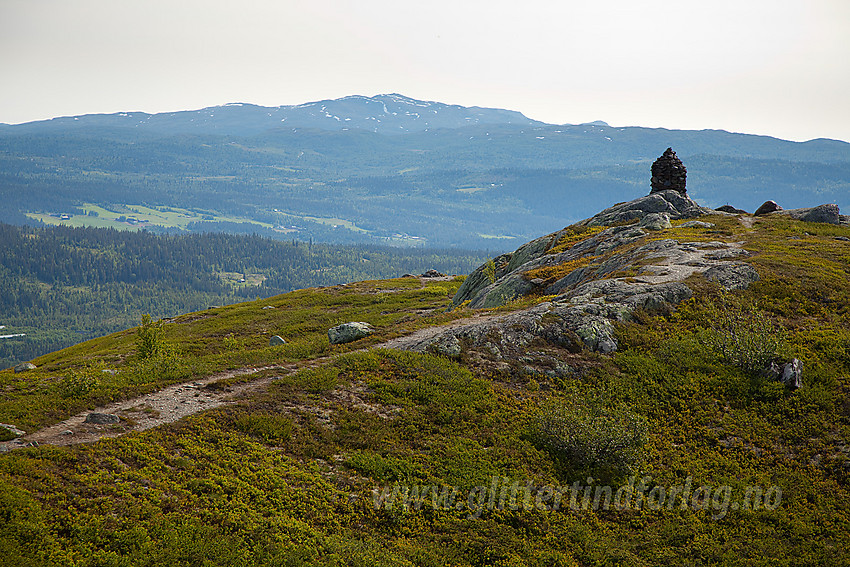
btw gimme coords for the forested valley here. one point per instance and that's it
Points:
(63, 285)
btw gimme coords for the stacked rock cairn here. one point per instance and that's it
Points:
(668, 172)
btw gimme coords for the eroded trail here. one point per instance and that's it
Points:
(156, 408)
(181, 400)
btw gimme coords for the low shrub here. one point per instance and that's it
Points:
(584, 434)
(743, 335)
(271, 428)
(78, 383)
(5, 434)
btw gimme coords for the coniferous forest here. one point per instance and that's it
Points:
(63, 285)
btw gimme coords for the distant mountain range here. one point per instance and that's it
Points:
(383, 114)
(384, 169)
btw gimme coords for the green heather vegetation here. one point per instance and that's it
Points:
(291, 475)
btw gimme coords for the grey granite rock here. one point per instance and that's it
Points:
(348, 332)
(102, 418)
(655, 221)
(733, 275)
(823, 213)
(696, 224)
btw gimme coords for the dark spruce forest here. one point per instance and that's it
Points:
(63, 285)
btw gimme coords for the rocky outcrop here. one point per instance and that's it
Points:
(731, 209)
(655, 221)
(823, 213)
(276, 340)
(594, 282)
(602, 256)
(828, 213)
(25, 367)
(589, 299)
(676, 205)
(348, 332)
(668, 173)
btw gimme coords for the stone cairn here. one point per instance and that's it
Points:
(668, 172)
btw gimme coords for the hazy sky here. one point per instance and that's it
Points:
(776, 67)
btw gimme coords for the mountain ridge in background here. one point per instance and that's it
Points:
(384, 170)
(386, 114)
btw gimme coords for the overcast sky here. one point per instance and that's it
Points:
(775, 67)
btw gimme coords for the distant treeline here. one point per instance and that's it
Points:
(61, 285)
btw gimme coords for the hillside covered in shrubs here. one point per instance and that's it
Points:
(511, 423)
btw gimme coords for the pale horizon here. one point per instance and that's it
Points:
(774, 68)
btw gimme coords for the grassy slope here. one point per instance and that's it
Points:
(287, 477)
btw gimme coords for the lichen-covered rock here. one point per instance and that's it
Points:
(655, 221)
(727, 254)
(13, 430)
(696, 224)
(446, 345)
(506, 289)
(348, 332)
(733, 275)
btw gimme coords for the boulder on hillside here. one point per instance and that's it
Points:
(432, 273)
(348, 332)
(102, 418)
(828, 213)
(276, 340)
(766, 208)
(24, 367)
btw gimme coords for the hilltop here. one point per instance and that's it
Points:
(642, 350)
